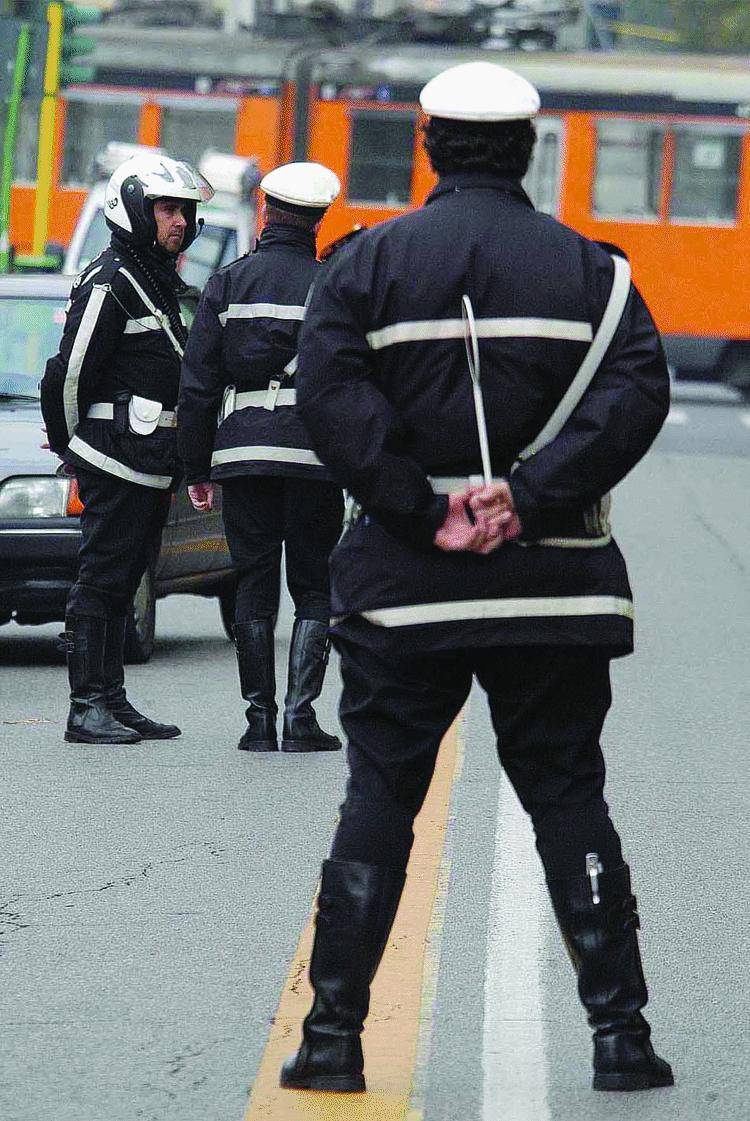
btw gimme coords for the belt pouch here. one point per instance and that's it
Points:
(120, 405)
(143, 415)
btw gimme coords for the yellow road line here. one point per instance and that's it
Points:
(393, 1026)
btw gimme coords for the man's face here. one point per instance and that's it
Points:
(171, 223)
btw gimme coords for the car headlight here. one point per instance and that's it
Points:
(34, 496)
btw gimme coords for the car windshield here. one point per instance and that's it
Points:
(30, 330)
(215, 246)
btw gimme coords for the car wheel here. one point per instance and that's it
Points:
(227, 599)
(736, 370)
(141, 623)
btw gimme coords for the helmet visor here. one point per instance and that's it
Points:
(206, 190)
(176, 179)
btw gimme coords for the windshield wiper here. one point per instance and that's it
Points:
(6, 395)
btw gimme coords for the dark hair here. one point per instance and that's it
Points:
(499, 147)
(287, 218)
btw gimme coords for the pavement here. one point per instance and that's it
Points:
(152, 897)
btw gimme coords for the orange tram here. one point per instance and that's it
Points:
(649, 152)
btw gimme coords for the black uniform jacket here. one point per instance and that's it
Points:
(244, 336)
(113, 346)
(384, 390)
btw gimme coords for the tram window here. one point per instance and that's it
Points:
(188, 131)
(706, 175)
(381, 156)
(89, 126)
(542, 181)
(629, 156)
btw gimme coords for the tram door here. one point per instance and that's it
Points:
(542, 181)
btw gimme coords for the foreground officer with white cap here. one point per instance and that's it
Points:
(516, 581)
(238, 371)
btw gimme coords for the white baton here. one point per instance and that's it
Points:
(472, 356)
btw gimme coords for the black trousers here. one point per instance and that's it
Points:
(121, 528)
(548, 705)
(262, 513)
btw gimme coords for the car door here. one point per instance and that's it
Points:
(196, 544)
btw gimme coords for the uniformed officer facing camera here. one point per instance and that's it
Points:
(515, 581)
(108, 399)
(238, 374)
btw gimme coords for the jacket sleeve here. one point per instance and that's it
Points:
(612, 428)
(352, 427)
(201, 386)
(94, 325)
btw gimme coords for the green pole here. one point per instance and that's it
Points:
(23, 48)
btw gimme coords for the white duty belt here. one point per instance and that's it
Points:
(457, 484)
(256, 399)
(104, 410)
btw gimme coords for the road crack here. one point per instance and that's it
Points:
(10, 921)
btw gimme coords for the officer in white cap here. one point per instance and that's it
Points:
(239, 427)
(514, 579)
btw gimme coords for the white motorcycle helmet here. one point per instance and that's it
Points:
(135, 186)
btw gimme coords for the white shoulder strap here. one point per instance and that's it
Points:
(161, 317)
(610, 322)
(291, 367)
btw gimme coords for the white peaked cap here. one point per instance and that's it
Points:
(480, 91)
(302, 184)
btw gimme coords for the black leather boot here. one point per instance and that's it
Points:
(599, 922)
(117, 701)
(308, 658)
(254, 642)
(356, 908)
(89, 719)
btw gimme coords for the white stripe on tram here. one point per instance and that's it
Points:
(265, 454)
(514, 1060)
(676, 416)
(432, 330)
(78, 355)
(456, 611)
(262, 311)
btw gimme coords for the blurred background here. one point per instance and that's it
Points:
(643, 136)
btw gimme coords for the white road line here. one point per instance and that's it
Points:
(745, 419)
(677, 416)
(704, 391)
(513, 1052)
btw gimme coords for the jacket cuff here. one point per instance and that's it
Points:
(418, 529)
(527, 509)
(195, 475)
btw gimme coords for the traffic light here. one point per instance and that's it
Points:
(75, 64)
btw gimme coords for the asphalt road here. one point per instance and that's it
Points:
(151, 898)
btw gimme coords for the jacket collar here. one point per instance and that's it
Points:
(163, 264)
(278, 233)
(478, 180)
